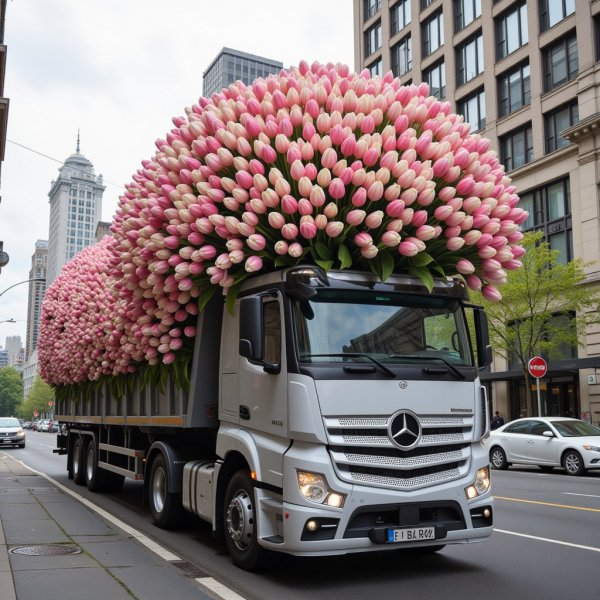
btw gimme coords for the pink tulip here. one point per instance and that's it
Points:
(491, 293)
(465, 267)
(408, 249)
(253, 264)
(337, 189)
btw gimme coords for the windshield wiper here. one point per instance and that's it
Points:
(387, 371)
(425, 357)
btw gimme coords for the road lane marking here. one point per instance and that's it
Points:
(549, 540)
(585, 495)
(218, 588)
(539, 502)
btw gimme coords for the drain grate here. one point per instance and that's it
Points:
(47, 550)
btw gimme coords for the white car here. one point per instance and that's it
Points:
(547, 442)
(11, 432)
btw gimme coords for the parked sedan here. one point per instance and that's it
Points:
(11, 432)
(547, 442)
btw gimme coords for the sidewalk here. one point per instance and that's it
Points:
(54, 548)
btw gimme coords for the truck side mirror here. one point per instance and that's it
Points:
(482, 338)
(251, 345)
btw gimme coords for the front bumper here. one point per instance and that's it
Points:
(362, 524)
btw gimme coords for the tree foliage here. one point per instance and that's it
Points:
(11, 391)
(39, 396)
(534, 316)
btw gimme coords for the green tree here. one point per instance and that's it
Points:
(39, 396)
(11, 391)
(535, 315)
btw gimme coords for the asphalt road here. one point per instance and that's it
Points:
(546, 546)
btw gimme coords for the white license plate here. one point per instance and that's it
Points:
(410, 534)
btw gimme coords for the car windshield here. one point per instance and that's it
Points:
(576, 428)
(9, 422)
(338, 325)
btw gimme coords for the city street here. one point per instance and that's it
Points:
(546, 545)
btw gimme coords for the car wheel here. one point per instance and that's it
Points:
(498, 458)
(240, 523)
(573, 463)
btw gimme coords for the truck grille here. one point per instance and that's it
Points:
(362, 451)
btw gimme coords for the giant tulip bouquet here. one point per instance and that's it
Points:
(315, 165)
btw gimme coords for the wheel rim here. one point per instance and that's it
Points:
(497, 458)
(76, 451)
(240, 519)
(572, 463)
(89, 466)
(159, 489)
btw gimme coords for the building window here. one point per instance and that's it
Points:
(465, 12)
(432, 33)
(371, 7)
(558, 120)
(514, 90)
(516, 148)
(561, 62)
(426, 3)
(554, 11)
(549, 209)
(372, 39)
(511, 31)
(376, 68)
(597, 36)
(399, 16)
(469, 59)
(435, 77)
(402, 57)
(473, 110)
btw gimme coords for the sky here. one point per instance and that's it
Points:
(118, 71)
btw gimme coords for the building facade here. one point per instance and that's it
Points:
(13, 346)
(526, 75)
(233, 65)
(75, 209)
(37, 289)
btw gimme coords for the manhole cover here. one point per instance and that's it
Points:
(47, 550)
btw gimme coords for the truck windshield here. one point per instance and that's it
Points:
(339, 325)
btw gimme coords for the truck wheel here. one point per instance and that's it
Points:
(95, 477)
(77, 461)
(165, 507)
(240, 523)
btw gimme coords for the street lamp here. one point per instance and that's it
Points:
(11, 320)
(20, 282)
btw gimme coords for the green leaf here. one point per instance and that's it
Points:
(421, 260)
(324, 264)
(424, 274)
(282, 261)
(205, 296)
(344, 257)
(322, 251)
(387, 265)
(232, 294)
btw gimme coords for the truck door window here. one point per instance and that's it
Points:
(272, 326)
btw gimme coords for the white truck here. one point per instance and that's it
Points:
(328, 413)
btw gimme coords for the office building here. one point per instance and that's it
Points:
(525, 75)
(232, 65)
(37, 289)
(75, 209)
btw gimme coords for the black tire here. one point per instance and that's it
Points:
(77, 461)
(239, 524)
(165, 507)
(498, 458)
(573, 463)
(95, 477)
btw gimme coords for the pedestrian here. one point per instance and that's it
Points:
(497, 421)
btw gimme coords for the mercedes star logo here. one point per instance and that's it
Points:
(404, 430)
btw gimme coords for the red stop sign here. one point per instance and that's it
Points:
(537, 367)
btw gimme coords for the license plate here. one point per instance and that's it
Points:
(410, 534)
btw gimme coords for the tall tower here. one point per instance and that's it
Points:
(37, 289)
(75, 209)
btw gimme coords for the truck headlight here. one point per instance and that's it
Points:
(481, 484)
(314, 488)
